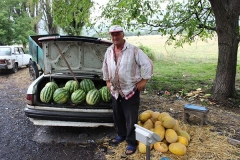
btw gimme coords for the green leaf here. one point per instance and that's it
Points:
(143, 18)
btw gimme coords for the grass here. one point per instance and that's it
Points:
(175, 69)
(177, 76)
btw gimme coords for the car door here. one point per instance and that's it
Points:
(18, 55)
(25, 57)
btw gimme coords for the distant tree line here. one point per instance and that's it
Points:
(21, 18)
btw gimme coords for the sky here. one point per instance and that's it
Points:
(98, 2)
(101, 2)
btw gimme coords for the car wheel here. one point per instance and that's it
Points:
(15, 68)
(33, 70)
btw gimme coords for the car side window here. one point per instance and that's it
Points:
(5, 51)
(21, 50)
(16, 51)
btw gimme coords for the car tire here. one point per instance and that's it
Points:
(15, 68)
(33, 70)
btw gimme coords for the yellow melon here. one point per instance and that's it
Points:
(140, 123)
(182, 140)
(163, 114)
(171, 136)
(144, 116)
(157, 123)
(149, 112)
(142, 147)
(160, 130)
(177, 149)
(176, 127)
(168, 122)
(183, 134)
(165, 141)
(155, 116)
(161, 147)
(148, 124)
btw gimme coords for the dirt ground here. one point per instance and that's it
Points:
(224, 120)
(18, 134)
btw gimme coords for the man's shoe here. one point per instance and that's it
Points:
(115, 141)
(130, 150)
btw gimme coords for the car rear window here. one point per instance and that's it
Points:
(5, 51)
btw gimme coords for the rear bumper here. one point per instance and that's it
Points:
(69, 123)
(3, 66)
(68, 118)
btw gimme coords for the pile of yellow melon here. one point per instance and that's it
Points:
(173, 138)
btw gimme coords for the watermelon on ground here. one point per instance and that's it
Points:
(78, 96)
(93, 97)
(87, 85)
(61, 96)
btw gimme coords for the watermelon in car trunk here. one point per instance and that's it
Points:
(53, 85)
(93, 97)
(78, 96)
(61, 95)
(71, 86)
(105, 94)
(87, 85)
(46, 94)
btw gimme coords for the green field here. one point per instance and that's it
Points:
(188, 68)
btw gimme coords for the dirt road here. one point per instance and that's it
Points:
(21, 140)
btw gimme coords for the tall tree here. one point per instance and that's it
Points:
(183, 22)
(35, 12)
(16, 22)
(22, 22)
(22, 29)
(72, 15)
(6, 32)
(47, 11)
(227, 27)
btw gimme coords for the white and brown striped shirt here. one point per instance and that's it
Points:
(132, 66)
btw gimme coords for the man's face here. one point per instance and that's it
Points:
(117, 37)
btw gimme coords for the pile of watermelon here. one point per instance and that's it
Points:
(75, 92)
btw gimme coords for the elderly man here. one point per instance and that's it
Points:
(126, 70)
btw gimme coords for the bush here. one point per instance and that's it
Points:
(148, 51)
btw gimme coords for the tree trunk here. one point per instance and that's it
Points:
(48, 16)
(48, 9)
(226, 16)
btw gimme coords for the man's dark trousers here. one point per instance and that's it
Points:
(125, 115)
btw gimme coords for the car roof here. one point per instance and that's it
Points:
(9, 46)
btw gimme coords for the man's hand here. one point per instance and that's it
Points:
(108, 85)
(141, 85)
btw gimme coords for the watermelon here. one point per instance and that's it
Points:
(52, 84)
(87, 85)
(93, 97)
(46, 94)
(105, 94)
(61, 96)
(71, 86)
(78, 96)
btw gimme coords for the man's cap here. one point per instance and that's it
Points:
(115, 28)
